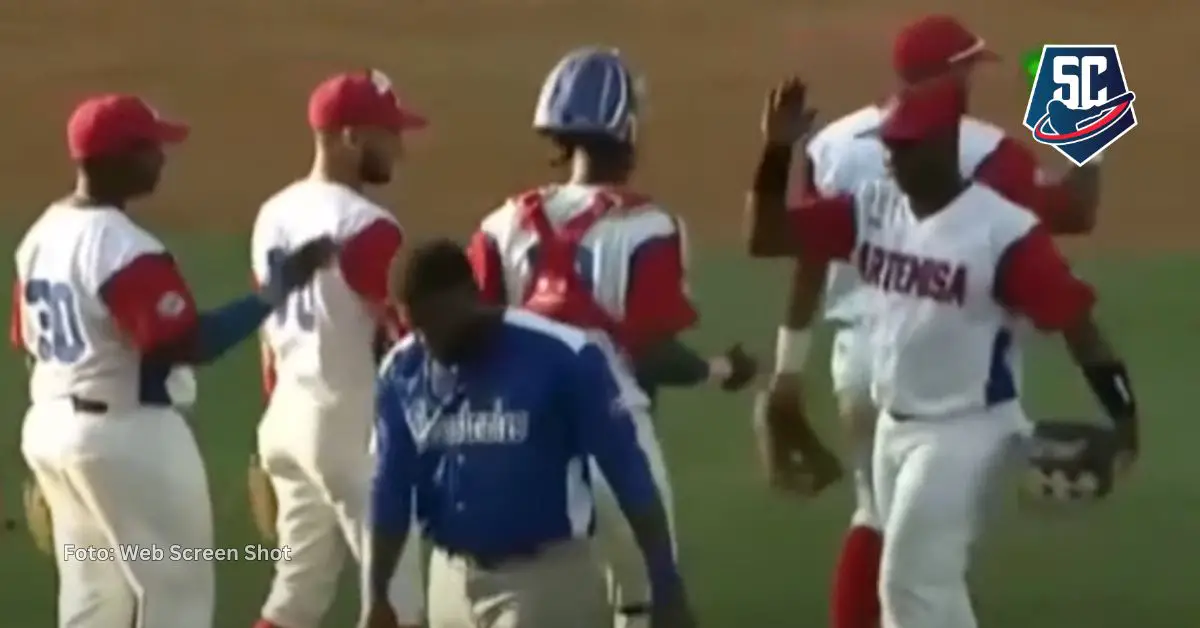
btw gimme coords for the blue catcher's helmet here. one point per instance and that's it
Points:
(590, 91)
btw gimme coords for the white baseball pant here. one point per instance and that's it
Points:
(850, 372)
(316, 451)
(619, 551)
(935, 481)
(122, 480)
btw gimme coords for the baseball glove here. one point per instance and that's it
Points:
(795, 459)
(37, 517)
(263, 504)
(1071, 462)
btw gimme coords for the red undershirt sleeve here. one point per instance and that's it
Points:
(1034, 280)
(364, 261)
(657, 306)
(825, 228)
(150, 302)
(1012, 170)
(487, 266)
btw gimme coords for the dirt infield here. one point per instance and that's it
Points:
(240, 72)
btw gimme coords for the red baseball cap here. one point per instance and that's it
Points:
(918, 112)
(364, 98)
(111, 124)
(932, 44)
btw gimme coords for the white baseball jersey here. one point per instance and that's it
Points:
(63, 263)
(322, 339)
(606, 253)
(943, 344)
(842, 159)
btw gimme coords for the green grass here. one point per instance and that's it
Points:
(752, 557)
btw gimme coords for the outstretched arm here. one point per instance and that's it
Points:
(1034, 280)
(767, 228)
(603, 408)
(816, 229)
(658, 308)
(392, 507)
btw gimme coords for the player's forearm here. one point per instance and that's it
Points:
(216, 332)
(804, 298)
(627, 470)
(671, 363)
(391, 522)
(652, 531)
(386, 549)
(1106, 375)
(766, 204)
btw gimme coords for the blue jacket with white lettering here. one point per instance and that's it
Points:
(493, 452)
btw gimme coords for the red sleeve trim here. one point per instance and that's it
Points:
(657, 306)
(365, 261)
(487, 266)
(825, 228)
(365, 258)
(1034, 280)
(150, 302)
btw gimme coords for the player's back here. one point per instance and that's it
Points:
(322, 338)
(845, 154)
(607, 250)
(64, 263)
(943, 344)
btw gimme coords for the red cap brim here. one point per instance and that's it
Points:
(412, 121)
(169, 132)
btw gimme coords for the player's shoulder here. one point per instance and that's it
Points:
(635, 213)
(1005, 220)
(403, 359)
(563, 201)
(502, 218)
(977, 140)
(104, 238)
(848, 128)
(309, 206)
(535, 330)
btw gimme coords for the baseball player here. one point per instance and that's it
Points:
(489, 414)
(320, 350)
(839, 159)
(105, 315)
(951, 270)
(595, 254)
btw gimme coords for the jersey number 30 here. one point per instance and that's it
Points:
(299, 306)
(61, 336)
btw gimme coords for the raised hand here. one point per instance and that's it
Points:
(786, 117)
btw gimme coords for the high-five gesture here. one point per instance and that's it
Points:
(786, 117)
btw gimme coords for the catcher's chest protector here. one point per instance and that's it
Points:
(556, 289)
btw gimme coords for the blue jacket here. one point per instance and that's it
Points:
(493, 452)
